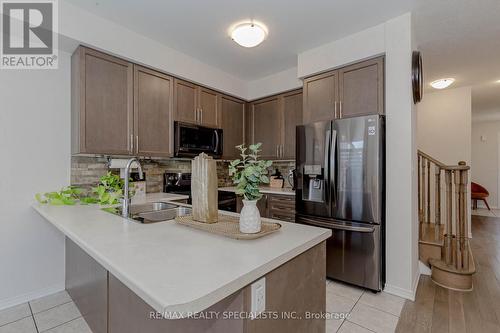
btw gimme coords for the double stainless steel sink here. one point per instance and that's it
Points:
(152, 212)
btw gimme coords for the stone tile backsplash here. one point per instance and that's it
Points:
(86, 171)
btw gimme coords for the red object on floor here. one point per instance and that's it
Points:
(478, 192)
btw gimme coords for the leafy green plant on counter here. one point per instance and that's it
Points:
(66, 196)
(108, 191)
(249, 172)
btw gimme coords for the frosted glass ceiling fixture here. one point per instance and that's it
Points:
(442, 83)
(248, 34)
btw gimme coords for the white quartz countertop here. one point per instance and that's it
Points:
(177, 270)
(264, 189)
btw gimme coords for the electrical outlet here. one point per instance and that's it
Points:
(258, 297)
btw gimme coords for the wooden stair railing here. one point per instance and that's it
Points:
(444, 246)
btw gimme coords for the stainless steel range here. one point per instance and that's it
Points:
(180, 183)
(177, 183)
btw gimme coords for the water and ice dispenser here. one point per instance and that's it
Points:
(314, 182)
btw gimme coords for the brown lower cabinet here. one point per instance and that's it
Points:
(109, 306)
(87, 284)
(274, 206)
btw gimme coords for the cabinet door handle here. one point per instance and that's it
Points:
(277, 151)
(201, 115)
(340, 106)
(137, 144)
(131, 144)
(335, 112)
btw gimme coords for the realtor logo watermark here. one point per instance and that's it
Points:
(29, 34)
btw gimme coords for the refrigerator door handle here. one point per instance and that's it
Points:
(333, 169)
(339, 226)
(327, 166)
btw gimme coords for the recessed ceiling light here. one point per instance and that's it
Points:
(249, 34)
(442, 83)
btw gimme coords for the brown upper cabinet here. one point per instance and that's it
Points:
(185, 101)
(361, 89)
(272, 122)
(232, 122)
(119, 108)
(320, 97)
(267, 126)
(195, 104)
(153, 92)
(102, 103)
(350, 91)
(292, 116)
(209, 107)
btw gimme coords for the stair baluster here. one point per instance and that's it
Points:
(444, 242)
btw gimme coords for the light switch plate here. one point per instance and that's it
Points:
(258, 289)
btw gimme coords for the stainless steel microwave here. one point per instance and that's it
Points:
(191, 140)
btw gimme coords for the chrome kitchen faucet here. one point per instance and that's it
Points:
(126, 196)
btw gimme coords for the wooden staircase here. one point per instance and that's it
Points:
(443, 234)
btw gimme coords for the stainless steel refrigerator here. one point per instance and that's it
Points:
(340, 186)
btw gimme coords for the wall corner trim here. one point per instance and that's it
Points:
(401, 292)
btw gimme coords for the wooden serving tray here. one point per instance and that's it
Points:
(227, 226)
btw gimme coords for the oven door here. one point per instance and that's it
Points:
(191, 140)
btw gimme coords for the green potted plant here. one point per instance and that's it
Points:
(248, 173)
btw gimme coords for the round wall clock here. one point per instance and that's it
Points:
(417, 77)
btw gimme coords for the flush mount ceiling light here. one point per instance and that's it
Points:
(249, 34)
(497, 81)
(442, 83)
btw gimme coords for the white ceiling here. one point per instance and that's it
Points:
(461, 39)
(458, 38)
(200, 27)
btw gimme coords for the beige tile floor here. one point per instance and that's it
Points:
(365, 311)
(359, 311)
(55, 313)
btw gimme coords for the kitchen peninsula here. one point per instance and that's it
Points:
(131, 277)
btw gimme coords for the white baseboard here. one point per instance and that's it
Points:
(424, 270)
(480, 205)
(13, 301)
(401, 292)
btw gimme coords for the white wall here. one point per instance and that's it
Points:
(444, 125)
(444, 128)
(484, 161)
(353, 48)
(273, 84)
(35, 150)
(395, 39)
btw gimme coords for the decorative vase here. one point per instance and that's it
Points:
(250, 217)
(204, 189)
